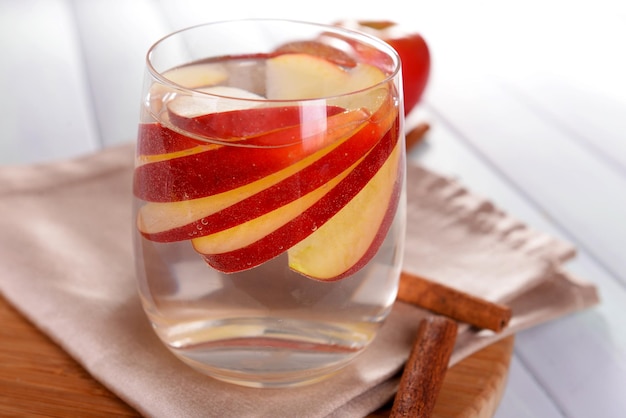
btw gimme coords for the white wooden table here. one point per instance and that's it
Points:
(527, 105)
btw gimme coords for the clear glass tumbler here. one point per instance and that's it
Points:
(269, 197)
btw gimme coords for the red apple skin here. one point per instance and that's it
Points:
(221, 168)
(410, 46)
(382, 230)
(415, 57)
(302, 226)
(152, 139)
(244, 123)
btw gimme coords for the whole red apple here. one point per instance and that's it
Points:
(413, 52)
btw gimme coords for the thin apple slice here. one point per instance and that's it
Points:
(153, 140)
(286, 235)
(197, 75)
(228, 113)
(200, 116)
(190, 76)
(244, 124)
(303, 76)
(353, 235)
(212, 99)
(217, 169)
(319, 49)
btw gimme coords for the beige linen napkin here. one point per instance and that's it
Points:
(66, 264)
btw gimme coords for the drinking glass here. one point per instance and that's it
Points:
(269, 197)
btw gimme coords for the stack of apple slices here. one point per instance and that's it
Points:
(319, 180)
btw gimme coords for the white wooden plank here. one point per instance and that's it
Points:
(577, 41)
(550, 351)
(584, 375)
(523, 398)
(115, 40)
(540, 159)
(445, 153)
(596, 120)
(571, 76)
(45, 111)
(575, 78)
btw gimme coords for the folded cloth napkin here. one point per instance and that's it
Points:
(66, 263)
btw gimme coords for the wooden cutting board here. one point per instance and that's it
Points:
(37, 378)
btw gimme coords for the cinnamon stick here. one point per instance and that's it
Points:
(425, 369)
(415, 135)
(453, 303)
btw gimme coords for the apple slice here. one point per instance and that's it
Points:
(216, 168)
(237, 125)
(277, 236)
(222, 120)
(318, 49)
(197, 75)
(303, 76)
(211, 100)
(353, 235)
(191, 76)
(182, 113)
(153, 140)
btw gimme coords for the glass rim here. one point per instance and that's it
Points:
(360, 36)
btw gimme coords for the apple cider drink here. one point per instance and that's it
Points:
(269, 197)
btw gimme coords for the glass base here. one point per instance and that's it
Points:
(275, 356)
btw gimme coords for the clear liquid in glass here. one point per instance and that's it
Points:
(267, 326)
